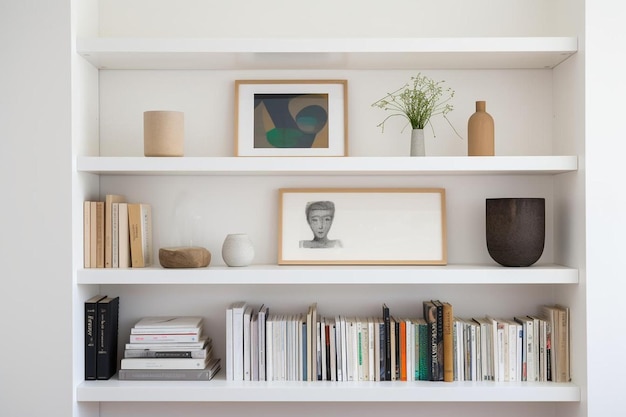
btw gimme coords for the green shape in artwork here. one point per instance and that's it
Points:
(289, 138)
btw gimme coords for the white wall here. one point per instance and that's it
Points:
(606, 203)
(35, 179)
(328, 18)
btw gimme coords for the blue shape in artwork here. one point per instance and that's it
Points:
(289, 131)
(311, 119)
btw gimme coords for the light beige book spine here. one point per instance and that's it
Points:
(93, 232)
(134, 230)
(87, 234)
(99, 234)
(146, 233)
(115, 233)
(108, 227)
(123, 238)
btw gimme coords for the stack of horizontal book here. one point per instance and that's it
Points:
(168, 348)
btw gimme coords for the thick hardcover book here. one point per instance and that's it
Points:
(237, 342)
(108, 316)
(387, 343)
(440, 353)
(91, 336)
(448, 342)
(108, 227)
(430, 315)
(140, 234)
(205, 374)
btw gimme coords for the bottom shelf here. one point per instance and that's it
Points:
(220, 390)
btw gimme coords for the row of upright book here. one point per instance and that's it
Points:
(434, 346)
(116, 233)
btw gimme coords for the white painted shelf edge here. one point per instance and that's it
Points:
(445, 165)
(327, 53)
(323, 391)
(353, 275)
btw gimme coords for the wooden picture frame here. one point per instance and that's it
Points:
(291, 118)
(370, 226)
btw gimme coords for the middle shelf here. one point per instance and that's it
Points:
(358, 275)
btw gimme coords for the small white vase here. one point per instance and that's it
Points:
(238, 250)
(417, 143)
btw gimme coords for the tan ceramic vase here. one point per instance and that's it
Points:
(163, 133)
(480, 132)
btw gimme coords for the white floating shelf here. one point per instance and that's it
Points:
(329, 53)
(454, 165)
(355, 275)
(220, 390)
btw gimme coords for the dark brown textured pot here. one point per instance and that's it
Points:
(515, 230)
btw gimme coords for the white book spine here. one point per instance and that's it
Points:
(262, 343)
(371, 349)
(269, 348)
(247, 353)
(163, 363)
(238, 310)
(163, 338)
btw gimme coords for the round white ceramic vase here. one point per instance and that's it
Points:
(238, 250)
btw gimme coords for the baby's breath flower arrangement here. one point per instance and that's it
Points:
(418, 101)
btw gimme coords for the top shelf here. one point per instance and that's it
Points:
(328, 53)
(439, 165)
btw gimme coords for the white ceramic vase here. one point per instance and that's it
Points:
(417, 143)
(238, 250)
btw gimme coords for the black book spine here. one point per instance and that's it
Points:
(108, 316)
(396, 329)
(91, 337)
(387, 321)
(440, 353)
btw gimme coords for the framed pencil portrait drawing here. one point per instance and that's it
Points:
(291, 118)
(362, 226)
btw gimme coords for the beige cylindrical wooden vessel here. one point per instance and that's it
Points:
(480, 132)
(163, 133)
